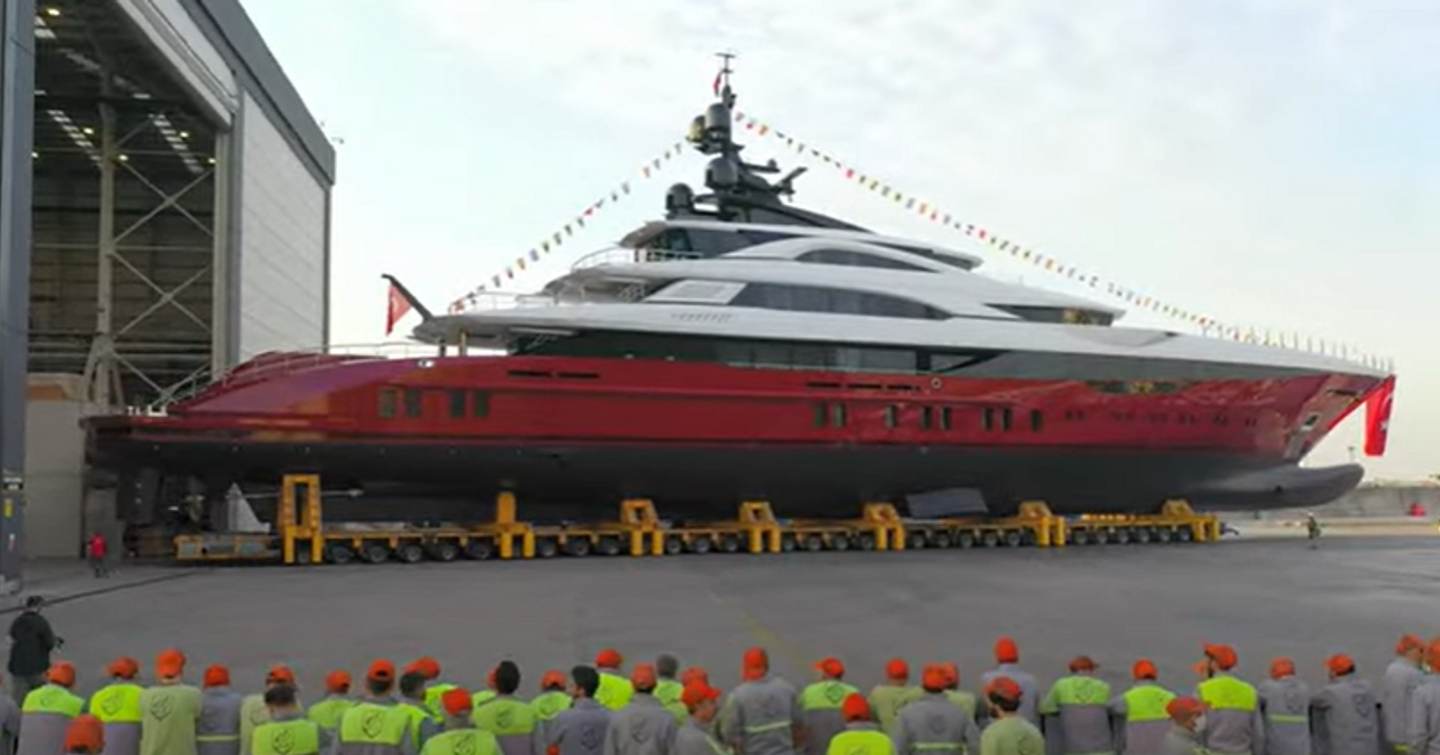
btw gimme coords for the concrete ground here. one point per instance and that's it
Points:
(1115, 603)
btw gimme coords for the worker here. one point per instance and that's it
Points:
(1007, 658)
(860, 736)
(429, 668)
(693, 737)
(615, 689)
(1423, 720)
(9, 722)
(287, 731)
(1077, 710)
(170, 710)
(329, 710)
(888, 697)
(961, 699)
(552, 698)
(760, 716)
(1139, 712)
(47, 711)
(820, 705)
(117, 706)
(218, 732)
(460, 735)
(1187, 721)
(252, 709)
(31, 642)
(479, 699)
(511, 720)
(667, 689)
(644, 727)
(1346, 712)
(1232, 720)
(1312, 529)
(581, 728)
(693, 675)
(1285, 710)
(412, 701)
(85, 736)
(1402, 677)
(931, 723)
(375, 725)
(1009, 732)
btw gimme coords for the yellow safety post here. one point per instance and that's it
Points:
(638, 515)
(885, 520)
(285, 519)
(762, 531)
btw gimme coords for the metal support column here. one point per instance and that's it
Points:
(102, 348)
(220, 286)
(17, 103)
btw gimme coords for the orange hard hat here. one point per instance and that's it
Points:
(337, 682)
(491, 677)
(61, 673)
(456, 701)
(216, 676)
(1184, 708)
(897, 669)
(1082, 663)
(855, 708)
(1432, 654)
(831, 667)
(124, 667)
(1281, 668)
(425, 666)
(280, 674)
(1340, 664)
(169, 663)
(1006, 651)
(643, 676)
(552, 679)
(934, 678)
(85, 734)
(609, 658)
(693, 674)
(1224, 656)
(381, 670)
(1144, 669)
(697, 692)
(754, 664)
(1407, 643)
(952, 673)
(1005, 688)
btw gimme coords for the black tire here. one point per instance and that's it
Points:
(942, 539)
(339, 554)
(1014, 539)
(546, 547)
(915, 540)
(410, 553)
(965, 539)
(608, 546)
(1164, 534)
(1080, 537)
(814, 543)
(1101, 536)
(1143, 535)
(374, 553)
(578, 546)
(989, 539)
(480, 549)
(1122, 536)
(1184, 535)
(839, 543)
(865, 541)
(674, 546)
(788, 544)
(444, 550)
(701, 545)
(729, 543)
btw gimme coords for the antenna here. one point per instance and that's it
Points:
(722, 79)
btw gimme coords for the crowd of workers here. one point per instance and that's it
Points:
(662, 709)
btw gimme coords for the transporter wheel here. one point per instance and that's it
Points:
(375, 553)
(480, 549)
(865, 541)
(990, 539)
(1164, 534)
(942, 539)
(1027, 537)
(787, 543)
(814, 543)
(1100, 536)
(674, 546)
(546, 547)
(339, 554)
(578, 546)
(729, 543)
(965, 539)
(1080, 536)
(1014, 539)
(1143, 535)
(1122, 536)
(701, 545)
(915, 541)
(444, 550)
(839, 543)
(608, 546)
(1184, 535)
(410, 553)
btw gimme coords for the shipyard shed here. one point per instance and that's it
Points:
(165, 214)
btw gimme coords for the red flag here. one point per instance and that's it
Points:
(715, 87)
(1377, 417)
(396, 307)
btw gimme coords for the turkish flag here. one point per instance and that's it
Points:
(1377, 417)
(396, 307)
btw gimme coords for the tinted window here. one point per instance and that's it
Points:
(856, 259)
(1067, 315)
(414, 400)
(480, 403)
(389, 402)
(457, 404)
(816, 299)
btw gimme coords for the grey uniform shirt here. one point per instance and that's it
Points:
(580, 729)
(1029, 689)
(9, 724)
(933, 724)
(218, 731)
(1400, 681)
(693, 739)
(1285, 713)
(759, 717)
(1346, 718)
(1424, 720)
(643, 727)
(1182, 741)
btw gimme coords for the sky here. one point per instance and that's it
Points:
(1272, 164)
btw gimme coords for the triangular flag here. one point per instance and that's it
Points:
(396, 306)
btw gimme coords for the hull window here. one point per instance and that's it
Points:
(821, 412)
(1037, 420)
(987, 419)
(926, 417)
(944, 418)
(837, 415)
(1005, 420)
(414, 402)
(892, 416)
(457, 404)
(389, 403)
(480, 404)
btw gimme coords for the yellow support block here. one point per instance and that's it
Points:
(885, 520)
(638, 515)
(507, 528)
(296, 523)
(762, 530)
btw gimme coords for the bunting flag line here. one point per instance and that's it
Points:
(926, 209)
(553, 241)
